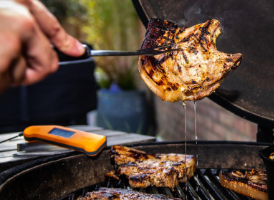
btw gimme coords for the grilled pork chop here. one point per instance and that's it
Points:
(143, 169)
(195, 70)
(252, 184)
(116, 193)
(271, 156)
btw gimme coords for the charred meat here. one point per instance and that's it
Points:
(117, 193)
(252, 184)
(194, 70)
(143, 169)
(271, 156)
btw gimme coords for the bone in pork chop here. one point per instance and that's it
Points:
(122, 194)
(195, 70)
(143, 169)
(252, 183)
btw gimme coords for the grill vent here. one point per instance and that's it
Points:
(203, 186)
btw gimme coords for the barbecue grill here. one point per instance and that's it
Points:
(74, 175)
(247, 93)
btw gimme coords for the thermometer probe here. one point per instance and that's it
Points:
(89, 143)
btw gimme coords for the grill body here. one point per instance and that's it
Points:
(58, 178)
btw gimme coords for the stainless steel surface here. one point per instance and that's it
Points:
(17, 151)
(148, 52)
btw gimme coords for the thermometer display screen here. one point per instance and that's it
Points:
(61, 132)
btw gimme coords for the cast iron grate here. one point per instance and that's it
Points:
(203, 186)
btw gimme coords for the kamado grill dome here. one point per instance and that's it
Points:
(247, 27)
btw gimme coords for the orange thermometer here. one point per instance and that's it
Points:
(89, 143)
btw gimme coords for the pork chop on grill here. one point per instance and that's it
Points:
(192, 72)
(122, 194)
(143, 169)
(271, 156)
(252, 183)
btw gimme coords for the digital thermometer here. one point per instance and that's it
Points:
(89, 143)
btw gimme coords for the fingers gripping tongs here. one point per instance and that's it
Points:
(90, 53)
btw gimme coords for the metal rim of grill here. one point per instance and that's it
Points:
(204, 185)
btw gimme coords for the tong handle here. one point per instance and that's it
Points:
(114, 53)
(64, 57)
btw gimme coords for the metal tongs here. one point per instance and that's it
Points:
(89, 53)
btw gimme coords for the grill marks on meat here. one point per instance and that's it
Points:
(143, 169)
(271, 156)
(195, 70)
(252, 184)
(116, 193)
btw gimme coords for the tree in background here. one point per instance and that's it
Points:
(65, 9)
(114, 25)
(107, 24)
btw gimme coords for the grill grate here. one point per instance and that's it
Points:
(203, 186)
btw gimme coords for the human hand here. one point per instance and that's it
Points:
(27, 30)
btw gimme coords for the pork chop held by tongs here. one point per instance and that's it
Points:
(194, 71)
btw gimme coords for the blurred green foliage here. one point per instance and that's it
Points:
(64, 9)
(111, 24)
(114, 25)
(107, 24)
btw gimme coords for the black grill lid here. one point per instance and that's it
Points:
(247, 27)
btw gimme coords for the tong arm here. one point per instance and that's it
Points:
(88, 53)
